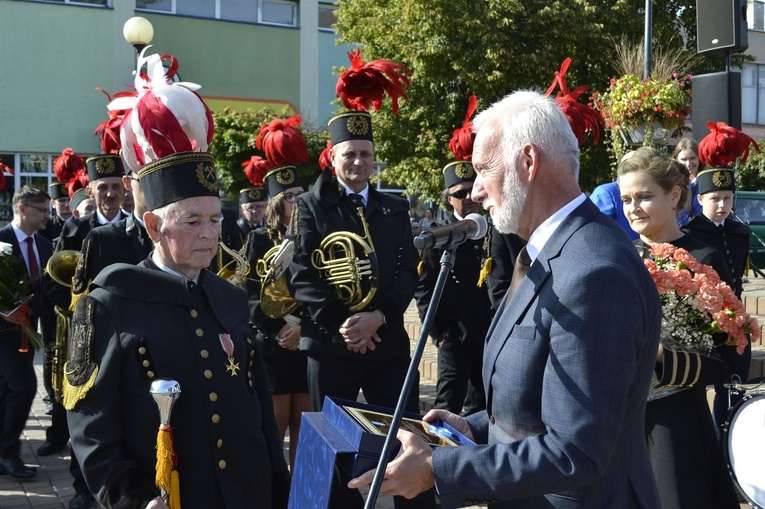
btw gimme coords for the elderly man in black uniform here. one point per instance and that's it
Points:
(61, 212)
(464, 313)
(715, 227)
(193, 328)
(252, 203)
(31, 210)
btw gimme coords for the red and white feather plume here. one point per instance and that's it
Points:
(109, 129)
(583, 118)
(462, 140)
(724, 145)
(282, 142)
(4, 168)
(364, 86)
(255, 170)
(67, 164)
(165, 117)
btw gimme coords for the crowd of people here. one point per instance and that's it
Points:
(548, 330)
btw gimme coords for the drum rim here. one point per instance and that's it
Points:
(726, 453)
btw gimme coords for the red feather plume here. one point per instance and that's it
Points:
(255, 170)
(325, 158)
(4, 168)
(67, 164)
(724, 145)
(582, 118)
(283, 142)
(462, 140)
(363, 86)
(78, 181)
(109, 129)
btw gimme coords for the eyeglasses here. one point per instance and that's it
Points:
(461, 194)
(290, 197)
(43, 210)
(133, 178)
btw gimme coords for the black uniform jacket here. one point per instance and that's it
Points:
(732, 242)
(464, 313)
(53, 228)
(139, 324)
(324, 210)
(258, 244)
(503, 249)
(125, 241)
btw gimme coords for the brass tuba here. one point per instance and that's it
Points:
(275, 298)
(237, 270)
(338, 263)
(61, 268)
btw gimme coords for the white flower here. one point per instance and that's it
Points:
(5, 249)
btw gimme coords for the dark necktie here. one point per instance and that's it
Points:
(34, 268)
(720, 228)
(355, 200)
(521, 268)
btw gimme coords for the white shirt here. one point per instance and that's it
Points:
(364, 192)
(165, 268)
(544, 231)
(102, 218)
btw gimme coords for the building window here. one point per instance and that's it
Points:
(272, 12)
(104, 3)
(29, 170)
(753, 94)
(327, 16)
(755, 14)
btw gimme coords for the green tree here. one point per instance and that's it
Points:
(750, 176)
(490, 48)
(234, 143)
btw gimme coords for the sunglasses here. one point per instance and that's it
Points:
(290, 197)
(461, 194)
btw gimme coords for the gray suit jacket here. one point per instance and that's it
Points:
(567, 366)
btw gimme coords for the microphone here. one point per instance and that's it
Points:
(473, 227)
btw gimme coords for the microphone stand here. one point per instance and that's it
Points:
(447, 262)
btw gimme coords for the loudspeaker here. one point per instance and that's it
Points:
(721, 26)
(716, 98)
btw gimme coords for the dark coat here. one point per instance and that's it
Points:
(732, 241)
(464, 313)
(41, 306)
(322, 211)
(504, 248)
(685, 455)
(53, 228)
(138, 324)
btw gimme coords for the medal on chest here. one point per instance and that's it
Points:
(228, 347)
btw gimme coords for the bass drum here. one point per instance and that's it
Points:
(744, 446)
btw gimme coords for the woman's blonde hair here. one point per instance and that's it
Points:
(666, 172)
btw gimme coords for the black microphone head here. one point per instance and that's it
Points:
(483, 225)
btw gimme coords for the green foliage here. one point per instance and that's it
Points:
(750, 176)
(490, 48)
(234, 143)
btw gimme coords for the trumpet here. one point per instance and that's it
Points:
(354, 278)
(237, 270)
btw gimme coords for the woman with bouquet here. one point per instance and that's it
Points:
(686, 457)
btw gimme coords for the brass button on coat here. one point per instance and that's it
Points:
(200, 332)
(194, 313)
(213, 397)
(222, 464)
(215, 418)
(204, 353)
(208, 373)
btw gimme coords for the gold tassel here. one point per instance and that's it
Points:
(73, 394)
(164, 460)
(175, 491)
(421, 268)
(488, 266)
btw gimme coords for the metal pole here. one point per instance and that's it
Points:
(648, 44)
(447, 262)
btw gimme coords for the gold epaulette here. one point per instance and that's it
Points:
(79, 371)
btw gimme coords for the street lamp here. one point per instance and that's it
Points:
(138, 32)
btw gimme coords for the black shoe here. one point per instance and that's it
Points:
(15, 468)
(49, 448)
(49, 408)
(81, 500)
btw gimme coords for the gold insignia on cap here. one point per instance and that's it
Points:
(104, 166)
(207, 176)
(722, 178)
(254, 194)
(285, 177)
(464, 171)
(358, 125)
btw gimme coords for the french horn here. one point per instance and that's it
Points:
(354, 277)
(275, 298)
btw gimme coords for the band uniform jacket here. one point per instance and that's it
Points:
(464, 312)
(732, 241)
(245, 228)
(41, 306)
(139, 324)
(258, 244)
(567, 366)
(53, 228)
(324, 210)
(125, 241)
(73, 234)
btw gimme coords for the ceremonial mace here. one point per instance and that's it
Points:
(165, 392)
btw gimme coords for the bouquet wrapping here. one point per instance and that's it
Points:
(15, 294)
